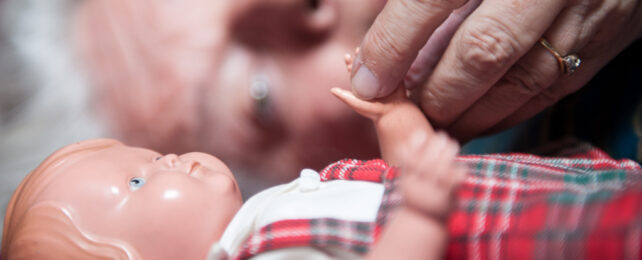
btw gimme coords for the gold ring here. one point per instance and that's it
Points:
(568, 64)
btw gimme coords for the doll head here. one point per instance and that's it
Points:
(102, 199)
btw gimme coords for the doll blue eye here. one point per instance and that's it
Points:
(135, 183)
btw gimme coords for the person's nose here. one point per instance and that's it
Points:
(283, 24)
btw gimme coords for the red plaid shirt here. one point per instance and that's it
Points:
(582, 205)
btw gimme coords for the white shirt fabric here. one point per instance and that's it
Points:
(304, 198)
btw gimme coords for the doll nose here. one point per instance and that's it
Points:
(284, 25)
(172, 161)
(169, 160)
(189, 166)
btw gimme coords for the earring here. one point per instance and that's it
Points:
(260, 92)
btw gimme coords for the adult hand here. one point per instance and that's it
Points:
(493, 72)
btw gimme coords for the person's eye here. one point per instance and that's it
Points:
(136, 182)
(158, 158)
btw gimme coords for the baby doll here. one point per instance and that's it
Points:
(102, 199)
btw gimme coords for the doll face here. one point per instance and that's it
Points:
(192, 75)
(166, 207)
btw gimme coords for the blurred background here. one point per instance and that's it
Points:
(244, 80)
(43, 99)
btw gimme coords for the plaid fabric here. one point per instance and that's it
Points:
(351, 235)
(583, 205)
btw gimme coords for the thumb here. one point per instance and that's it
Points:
(392, 43)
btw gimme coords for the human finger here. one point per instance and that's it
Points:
(553, 94)
(527, 78)
(599, 35)
(392, 43)
(487, 44)
(431, 52)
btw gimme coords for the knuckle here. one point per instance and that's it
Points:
(439, 4)
(437, 111)
(384, 45)
(547, 98)
(487, 46)
(527, 82)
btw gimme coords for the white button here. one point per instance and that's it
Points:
(309, 180)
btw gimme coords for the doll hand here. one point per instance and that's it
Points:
(429, 174)
(395, 118)
(372, 109)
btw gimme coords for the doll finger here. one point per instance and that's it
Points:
(457, 176)
(430, 153)
(417, 140)
(451, 149)
(347, 59)
(449, 152)
(444, 165)
(365, 108)
(409, 151)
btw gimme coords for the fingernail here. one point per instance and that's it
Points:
(364, 83)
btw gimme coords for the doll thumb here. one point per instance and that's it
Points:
(363, 107)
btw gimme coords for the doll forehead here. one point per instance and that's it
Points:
(102, 165)
(91, 181)
(119, 155)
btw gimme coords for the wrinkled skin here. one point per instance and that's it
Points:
(493, 73)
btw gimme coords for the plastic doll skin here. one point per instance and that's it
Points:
(158, 207)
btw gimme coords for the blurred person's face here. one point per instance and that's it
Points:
(247, 80)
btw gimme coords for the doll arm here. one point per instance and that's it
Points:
(395, 119)
(428, 181)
